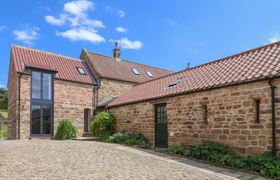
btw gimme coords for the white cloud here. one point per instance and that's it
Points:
(274, 38)
(82, 35)
(78, 8)
(76, 12)
(28, 36)
(56, 21)
(2, 86)
(80, 26)
(121, 13)
(127, 44)
(85, 21)
(109, 9)
(121, 29)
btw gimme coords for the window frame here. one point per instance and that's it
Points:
(81, 69)
(42, 102)
(205, 114)
(150, 74)
(41, 85)
(258, 109)
(135, 71)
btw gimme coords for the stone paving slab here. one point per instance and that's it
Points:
(50, 159)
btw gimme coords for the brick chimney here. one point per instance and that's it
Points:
(117, 51)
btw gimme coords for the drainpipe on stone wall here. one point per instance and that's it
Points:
(19, 84)
(95, 88)
(272, 86)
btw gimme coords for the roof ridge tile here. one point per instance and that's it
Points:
(130, 61)
(234, 69)
(43, 51)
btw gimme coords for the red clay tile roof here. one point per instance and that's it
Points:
(107, 67)
(65, 67)
(256, 64)
(40, 66)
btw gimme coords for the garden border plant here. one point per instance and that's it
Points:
(65, 130)
(137, 140)
(103, 125)
(221, 155)
(212, 152)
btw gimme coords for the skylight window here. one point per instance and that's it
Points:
(81, 70)
(177, 81)
(135, 71)
(150, 74)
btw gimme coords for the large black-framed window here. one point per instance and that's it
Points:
(41, 86)
(42, 95)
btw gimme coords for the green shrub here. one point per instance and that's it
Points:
(118, 138)
(212, 151)
(3, 130)
(129, 139)
(103, 124)
(137, 140)
(3, 98)
(265, 164)
(65, 130)
(179, 150)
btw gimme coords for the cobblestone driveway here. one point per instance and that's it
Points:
(50, 159)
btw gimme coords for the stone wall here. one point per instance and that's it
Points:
(12, 102)
(25, 107)
(109, 87)
(70, 100)
(231, 117)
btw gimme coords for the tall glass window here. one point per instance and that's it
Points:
(41, 103)
(47, 86)
(36, 85)
(41, 86)
(36, 119)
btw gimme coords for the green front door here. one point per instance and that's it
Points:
(161, 132)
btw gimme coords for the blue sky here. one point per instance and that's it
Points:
(167, 33)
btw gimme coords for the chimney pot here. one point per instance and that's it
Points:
(117, 51)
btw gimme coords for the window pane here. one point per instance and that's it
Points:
(36, 85)
(46, 119)
(47, 86)
(36, 118)
(81, 71)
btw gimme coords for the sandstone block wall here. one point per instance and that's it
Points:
(70, 100)
(12, 102)
(109, 87)
(231, 117)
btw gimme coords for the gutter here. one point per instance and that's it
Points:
(19, 97)
(273, 128)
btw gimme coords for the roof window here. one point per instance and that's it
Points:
(135, 71)
(174, 83)
(150, 74)
(81, 70)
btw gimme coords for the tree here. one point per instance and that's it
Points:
(3, 98)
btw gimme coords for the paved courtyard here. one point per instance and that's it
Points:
(50, 159)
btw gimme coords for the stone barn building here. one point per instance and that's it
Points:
(44, 87)
(233, 100)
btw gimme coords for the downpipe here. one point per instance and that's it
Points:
(19, 97)
(273, 101)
